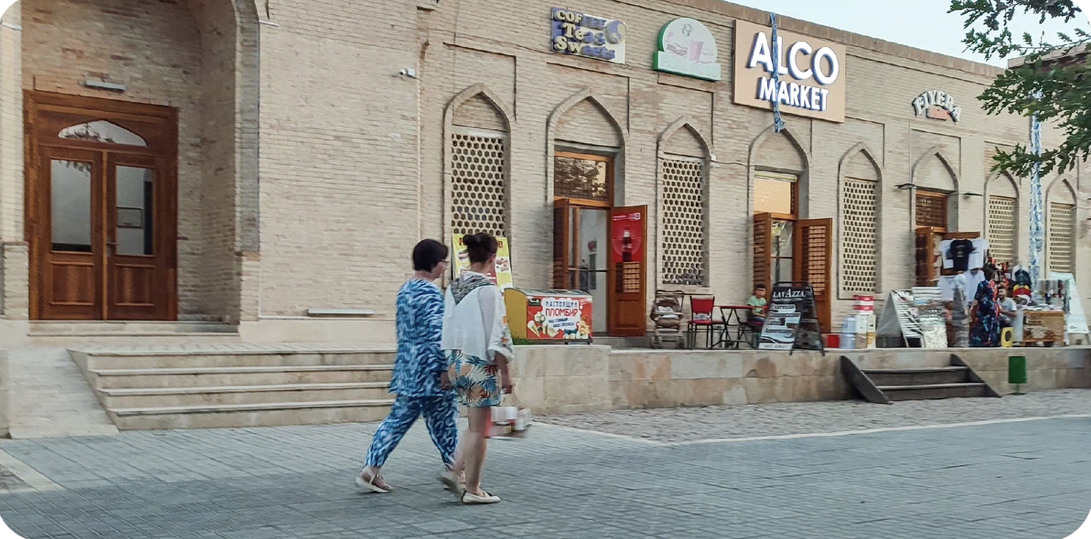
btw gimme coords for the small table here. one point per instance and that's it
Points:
(732, 316)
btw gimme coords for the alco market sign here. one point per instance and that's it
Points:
(812, 75)
(686, 47)
(937, 106)
(580, 34)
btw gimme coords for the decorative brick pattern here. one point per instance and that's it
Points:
(478, 185)
(1062, 237)
(685, 213)
(1001, 233)
(859, 225)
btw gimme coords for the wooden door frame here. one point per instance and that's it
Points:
(161, 136)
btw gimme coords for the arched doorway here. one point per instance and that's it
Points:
(102, 206)
(176, 84)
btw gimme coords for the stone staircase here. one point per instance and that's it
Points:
(883, 386)
(78, 333)
(236, 385)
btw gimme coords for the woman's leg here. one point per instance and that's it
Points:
(441, 417)
(473, 447)
(403, 414)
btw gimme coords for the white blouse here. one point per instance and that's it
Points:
(477, 326)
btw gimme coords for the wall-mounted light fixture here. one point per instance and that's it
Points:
(968, 195)
(99, 84)
(905, 187)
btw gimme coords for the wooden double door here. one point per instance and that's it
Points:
(787, 249)
(101, 209)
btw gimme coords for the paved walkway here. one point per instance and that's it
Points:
(1025, 479)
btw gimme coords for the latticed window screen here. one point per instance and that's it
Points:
(684, 211)
(1062, 232)
(478, 185)
(931, 209)
(859, 206)
(1002, 228)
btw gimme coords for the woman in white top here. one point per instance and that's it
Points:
(477, 342)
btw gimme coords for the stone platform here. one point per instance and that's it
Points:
(566, 379)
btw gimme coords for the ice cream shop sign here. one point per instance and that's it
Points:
(580, 34)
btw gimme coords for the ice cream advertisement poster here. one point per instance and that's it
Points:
(499, 274)
(559, 318)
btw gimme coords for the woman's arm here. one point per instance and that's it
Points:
(497, 334)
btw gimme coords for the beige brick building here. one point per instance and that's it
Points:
(291, 153)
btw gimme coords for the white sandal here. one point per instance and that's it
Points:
(369, 484)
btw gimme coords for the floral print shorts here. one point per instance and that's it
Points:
(475, 380)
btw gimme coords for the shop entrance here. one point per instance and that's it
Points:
(787, 248)
(599, 248)
(101, 209)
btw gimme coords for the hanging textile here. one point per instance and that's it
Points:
(1037, 217)
(778, 122)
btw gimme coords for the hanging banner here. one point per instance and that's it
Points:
(499, 274)
(628, 241)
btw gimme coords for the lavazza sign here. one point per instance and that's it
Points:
(811, 73)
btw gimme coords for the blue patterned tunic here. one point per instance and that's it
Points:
(420, 328)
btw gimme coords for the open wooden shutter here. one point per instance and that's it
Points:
(561, 245)
(628, 271)
(763, 250)
(925, 256)
(813, 259)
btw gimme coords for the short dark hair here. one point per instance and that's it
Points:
(481, 247)
(428, 254)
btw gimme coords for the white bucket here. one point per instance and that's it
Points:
(848, 341)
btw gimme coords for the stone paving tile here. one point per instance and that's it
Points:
(1005, 480)
(727, 422)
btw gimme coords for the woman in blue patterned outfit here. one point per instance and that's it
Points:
(420, 371)
(985, 330)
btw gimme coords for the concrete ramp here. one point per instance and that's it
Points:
(50, 398)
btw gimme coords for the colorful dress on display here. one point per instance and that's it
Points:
(985, 326)
(475, 330)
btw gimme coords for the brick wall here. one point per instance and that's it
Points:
(339, 155)
(352, 155)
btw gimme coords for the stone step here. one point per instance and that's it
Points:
(144, 398)
(91, 328)
(237, 376)
(914, 377)
(251, 415)
(935, 391)
(137, 359)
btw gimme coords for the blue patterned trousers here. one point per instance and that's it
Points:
(440, 415)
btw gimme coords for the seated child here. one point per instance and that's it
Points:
(758, 302)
